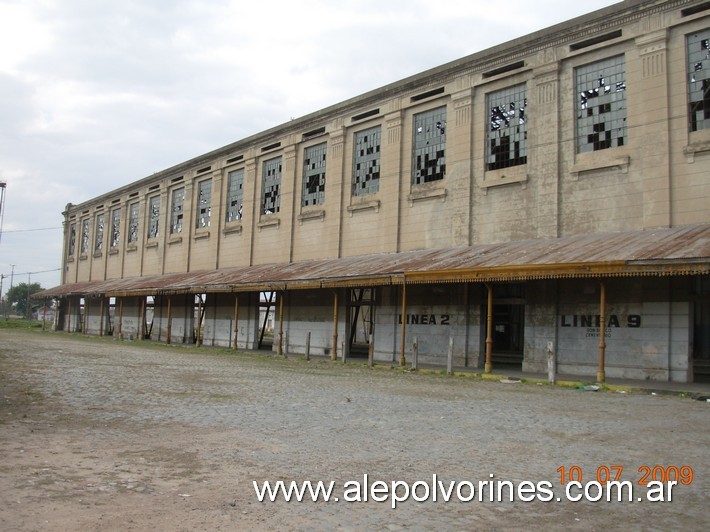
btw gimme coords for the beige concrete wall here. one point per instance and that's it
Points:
(658, 178)
(689, 151)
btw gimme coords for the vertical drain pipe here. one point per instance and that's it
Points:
(489, 330)
(601, 373)
(334, 353)
(402, 358)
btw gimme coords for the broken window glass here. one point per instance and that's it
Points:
(507, 133)
(154, 217)
(178, 197)
(133, 223)
(84, 237)
(115, 227)
(314, 175)
(272, 182)
(72, 239)
(235, 194)
(366, 162)
(204, 203)
(699, 80)
(99, 240)
(429, 157)
(601, 113)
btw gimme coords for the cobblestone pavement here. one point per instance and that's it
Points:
(97, 434)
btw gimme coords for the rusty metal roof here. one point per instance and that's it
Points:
(683, 250)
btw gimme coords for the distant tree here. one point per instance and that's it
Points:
(17, 295)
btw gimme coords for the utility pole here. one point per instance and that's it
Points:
(3, 185)
(29, 307)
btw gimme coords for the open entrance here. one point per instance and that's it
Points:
(701, 331)
(199, 308)
(361, 321)
(148, 317)
(266, 309)
(508, 325)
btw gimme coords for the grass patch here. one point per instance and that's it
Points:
(19, 323)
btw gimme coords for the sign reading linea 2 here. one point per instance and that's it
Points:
(425, 319)
(594, 320)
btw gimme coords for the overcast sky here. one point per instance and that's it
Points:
(95, 94)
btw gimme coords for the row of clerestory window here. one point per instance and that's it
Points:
(601, 114)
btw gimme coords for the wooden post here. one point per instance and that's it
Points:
(450, 357)
(601, 373)
(141, 325)
(198, 341)
(334, 353)
(402, 358)
(85, 323)
(102, 310)
(119, 325)
(342, 352)
(371, 351)
(308, 345)
(170, 319)
(236, 320)
(489, 330)
(415, 354)
(279, 348)
(551, 364)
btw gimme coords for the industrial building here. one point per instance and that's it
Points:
(545, 197)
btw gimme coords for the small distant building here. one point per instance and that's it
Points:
(43, 313)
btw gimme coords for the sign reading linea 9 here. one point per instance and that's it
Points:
(594, 320)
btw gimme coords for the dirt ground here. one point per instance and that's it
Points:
(97, 434)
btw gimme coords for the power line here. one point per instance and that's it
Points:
(35, 273)
(28, 230)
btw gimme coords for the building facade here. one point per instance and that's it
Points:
(545, 197)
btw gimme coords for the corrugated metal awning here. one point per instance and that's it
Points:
(681, 250)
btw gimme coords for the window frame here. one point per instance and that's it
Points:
(312, 171)
(269, 191)
(99, 227)
(598, 73)
(153, 216)
(115, 228)
(421, 123)
(515, 91)
(691, 69)
(177, 210)
(233, 214)
(372, 172)
(203, 220)
(133, 222)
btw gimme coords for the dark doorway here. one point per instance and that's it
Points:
(508, 325)
(701, 331)
(361, 320)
